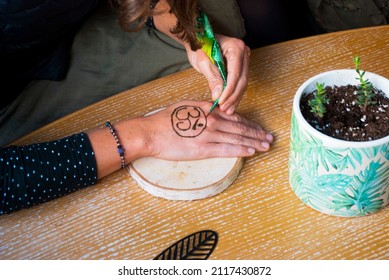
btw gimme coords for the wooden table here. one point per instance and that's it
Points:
(257, 217)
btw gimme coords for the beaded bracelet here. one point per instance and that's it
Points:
(118, 145)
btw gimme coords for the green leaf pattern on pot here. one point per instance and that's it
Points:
(385, 151)
(365, 191)
(321, 177)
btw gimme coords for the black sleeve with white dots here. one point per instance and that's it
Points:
(36, 173)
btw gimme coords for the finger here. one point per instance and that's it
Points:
(241, 140)
(232, 102)
(242, 134)
(236, 124)
(234, 65)
(242, 83)
(212, 74)
(212, 150)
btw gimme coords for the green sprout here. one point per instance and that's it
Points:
(365, 88)
(317, 104)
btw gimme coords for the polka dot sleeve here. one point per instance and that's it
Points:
(36, 173)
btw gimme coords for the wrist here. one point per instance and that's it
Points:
(133, 139)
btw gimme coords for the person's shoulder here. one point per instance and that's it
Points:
(225, 17)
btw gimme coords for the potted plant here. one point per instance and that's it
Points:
(337, 165)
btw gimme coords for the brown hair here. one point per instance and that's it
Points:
(133, 14)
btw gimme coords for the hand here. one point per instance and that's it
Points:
(183, 131)
(237, 56)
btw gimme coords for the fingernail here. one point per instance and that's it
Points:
(251, 151)
(216, 92)
(269, 137)
(265, 145)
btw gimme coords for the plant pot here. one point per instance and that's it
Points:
(338, 177)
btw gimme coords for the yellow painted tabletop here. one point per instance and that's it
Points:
(257, 217)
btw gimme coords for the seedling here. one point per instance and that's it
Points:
(365, 88)
(319, 101)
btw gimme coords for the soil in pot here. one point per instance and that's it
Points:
(345, 119)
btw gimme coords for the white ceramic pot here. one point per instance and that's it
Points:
(338, 177)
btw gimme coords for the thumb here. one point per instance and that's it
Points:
(215, 81)
(201, 62)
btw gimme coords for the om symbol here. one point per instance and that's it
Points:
(188, 121)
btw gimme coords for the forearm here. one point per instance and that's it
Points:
(37, 173)
(40, 172)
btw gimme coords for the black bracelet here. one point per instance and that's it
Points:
(118, 145)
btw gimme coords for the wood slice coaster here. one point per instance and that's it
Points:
(185, 180)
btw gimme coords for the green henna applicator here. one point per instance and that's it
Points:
(211, 47)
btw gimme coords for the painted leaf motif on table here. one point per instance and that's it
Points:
(196, 246)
